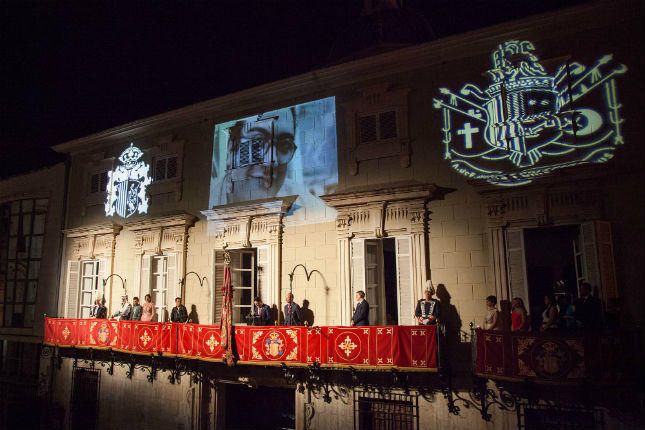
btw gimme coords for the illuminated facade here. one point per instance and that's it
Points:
(373, 177)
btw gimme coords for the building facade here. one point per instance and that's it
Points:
(499, 162)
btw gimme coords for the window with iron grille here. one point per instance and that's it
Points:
(537, 417)
(85, 398)
(374, 411)
(165, 168)
(376, 127)
(251, 151)
(98, 182)
(22, 232)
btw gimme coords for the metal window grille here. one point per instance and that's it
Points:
(98, 182)
(367, 128)
(538, 417)
(387, 125)
(251, 151)
(160, 169)
(171, 170)
(374, 411)
(85, 398)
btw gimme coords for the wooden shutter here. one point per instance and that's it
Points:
(73, 284)
(373, 285)
(217, 285)
(606, 260)
(516, 265)
(104, 272)
(145, 286)
(358, 265)
(262, 273)
(404, 281)
(590, 268)
(172, 281)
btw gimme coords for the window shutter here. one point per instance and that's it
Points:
(172, 280)
(404, 280)
(73, 283)
(606, 260)
(367, 129)
(145, 286)
(516, 265)
(358, 265)
(590, 271)
(387, 125)
(171, 171)
(262, 269)
(217, 286)
(373, 285)
(104, 272)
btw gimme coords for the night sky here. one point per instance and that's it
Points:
(70, 69)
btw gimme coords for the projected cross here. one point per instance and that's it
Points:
(468, 132)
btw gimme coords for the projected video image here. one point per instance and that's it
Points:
(289, 151)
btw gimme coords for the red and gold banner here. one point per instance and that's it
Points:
(554, 357)
(387, 347)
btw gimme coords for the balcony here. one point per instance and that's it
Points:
(404, 348)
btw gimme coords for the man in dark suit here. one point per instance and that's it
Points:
(588, 309)
(179, 313)
(362, 311)
(292, 314)
(261, 312)
(428, 309)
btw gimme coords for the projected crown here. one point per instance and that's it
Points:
(515, 66)
(130, 156)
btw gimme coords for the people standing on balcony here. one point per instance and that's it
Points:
(361, 311)
(550, 315)
(292, 315)
(98, 310)
(519, 316)
(136, 309)
(125, 311)
(428, 309)
(148, 309)
(261, 312)
(588, 309)
(491, 321)
(179, 313)
(566, 314)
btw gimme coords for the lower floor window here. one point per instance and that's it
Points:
(373, 411)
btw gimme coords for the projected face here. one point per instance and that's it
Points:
(528, 123)
(289, 151)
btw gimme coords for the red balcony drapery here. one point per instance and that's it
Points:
(404, 347)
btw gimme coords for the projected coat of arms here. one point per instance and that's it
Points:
(127, 185)
(528, 123)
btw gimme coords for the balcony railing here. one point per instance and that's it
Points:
(562, 357)
(377, 347)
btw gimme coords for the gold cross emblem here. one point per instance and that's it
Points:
(145, 338)
(212, 343)
(66, 333)
(348, 346)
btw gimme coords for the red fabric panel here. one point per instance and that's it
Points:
(208, 342)
(348, 345)
(316, 346)
(145, 336)
(66, 332)
(125, 335)
(167, 342)
(240, 343)
(99, 333)
(385, 345)
(50, 331)
(417, 346)
(187, 339)
(282, 344)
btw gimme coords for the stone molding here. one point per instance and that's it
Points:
(159, 234)
(95, 241)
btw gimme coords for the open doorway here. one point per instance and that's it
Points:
(374, 262)
(550, 265)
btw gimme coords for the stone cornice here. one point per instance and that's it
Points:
(183, 219)
(96, 229)
(381, 194)
(254, 208)
(323, 82)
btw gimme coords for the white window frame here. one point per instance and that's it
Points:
(95, 291)
(253, 287)
(161, 306)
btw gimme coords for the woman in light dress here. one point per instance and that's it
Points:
(491, 322)
(148, 313)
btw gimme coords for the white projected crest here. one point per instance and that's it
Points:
(127, 185)
(527, 122)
